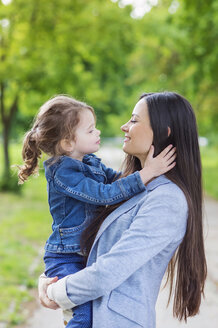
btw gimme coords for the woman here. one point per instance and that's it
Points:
(131, 246)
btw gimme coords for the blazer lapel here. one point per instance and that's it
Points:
(126, 207)
(116, 213)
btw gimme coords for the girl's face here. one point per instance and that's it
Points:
(138, 132)
(87, 137)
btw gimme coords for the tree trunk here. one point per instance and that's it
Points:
(7, 120)
(6, 172)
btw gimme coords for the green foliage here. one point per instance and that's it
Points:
(96, 52)
(73, 47)
(177, 50)
(69, 47)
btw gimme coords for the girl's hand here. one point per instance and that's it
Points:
(163, 162)
(155, 166)
(43, 284)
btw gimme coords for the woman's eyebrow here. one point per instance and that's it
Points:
(135, 115)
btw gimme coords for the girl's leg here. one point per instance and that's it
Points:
(61, 265)
(82, 316)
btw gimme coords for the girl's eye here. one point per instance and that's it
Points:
(91, 131)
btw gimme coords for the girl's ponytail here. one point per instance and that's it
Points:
(30, 153)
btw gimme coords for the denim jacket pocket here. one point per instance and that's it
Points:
(71, 236)
(127, 307)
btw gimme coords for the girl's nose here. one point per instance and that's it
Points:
(124, 127)
(98, 132)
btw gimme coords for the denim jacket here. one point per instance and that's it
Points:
(75, 190)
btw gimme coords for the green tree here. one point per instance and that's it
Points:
(75, 47)
(176, 50)
(96, 52)
(17, 59)
(199, 19)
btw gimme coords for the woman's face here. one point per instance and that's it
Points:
(138, 132)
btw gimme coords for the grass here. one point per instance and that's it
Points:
(209, 157)
(25, 225)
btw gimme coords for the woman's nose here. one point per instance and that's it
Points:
(124, 127)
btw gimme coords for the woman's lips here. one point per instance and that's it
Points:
(126, 139)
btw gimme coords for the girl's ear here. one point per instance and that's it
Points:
(169, 131)
(67, 145)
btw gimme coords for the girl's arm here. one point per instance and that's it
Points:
(110, 173)
(158, 165)
(71, 180)
(160, 221)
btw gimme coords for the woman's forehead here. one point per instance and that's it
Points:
(140, 110)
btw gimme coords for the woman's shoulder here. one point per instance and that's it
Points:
(164, 186)
(166, 193)
(164, 205)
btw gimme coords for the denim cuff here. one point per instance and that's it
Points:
(131, 185)
(141, 185)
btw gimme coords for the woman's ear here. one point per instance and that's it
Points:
(169, 131)
(67, 145)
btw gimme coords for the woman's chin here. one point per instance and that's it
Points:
(125, 148)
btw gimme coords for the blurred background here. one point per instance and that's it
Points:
(106, 53)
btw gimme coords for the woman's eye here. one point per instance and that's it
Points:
(132, 121)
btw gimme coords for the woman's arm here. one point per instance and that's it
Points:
(153, 228)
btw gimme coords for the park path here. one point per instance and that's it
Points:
(45, 318)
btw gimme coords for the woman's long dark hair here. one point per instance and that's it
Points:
(170, 110)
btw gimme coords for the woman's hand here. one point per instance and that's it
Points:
(43, 284)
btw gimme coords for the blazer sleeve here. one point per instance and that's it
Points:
(73, 182)
(157, 224)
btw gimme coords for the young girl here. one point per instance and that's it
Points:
(77, 182)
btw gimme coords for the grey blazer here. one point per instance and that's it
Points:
(128, 259)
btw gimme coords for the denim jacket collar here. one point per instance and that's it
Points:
(92, 160)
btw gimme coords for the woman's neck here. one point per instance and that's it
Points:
(142, 159)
